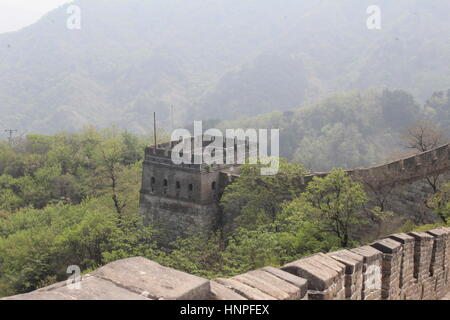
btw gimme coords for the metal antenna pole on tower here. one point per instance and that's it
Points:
(154, 127)
(10, 131)
(171, 116)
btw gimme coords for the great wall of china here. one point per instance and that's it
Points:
(186, 196)
(403, 171)
(413, 266)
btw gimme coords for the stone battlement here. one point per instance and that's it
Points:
(162, 154)
(401, 171)
(186, 196)
(413, 266)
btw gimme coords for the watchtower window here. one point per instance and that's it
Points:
(153, 180)
(178, 185)
(165, 183)
(213, 185)
(191, 188)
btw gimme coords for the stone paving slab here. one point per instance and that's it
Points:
(91, 288)
(244, 290)
(152, 280)
(301, 283)
(221, 292)
(270, 285)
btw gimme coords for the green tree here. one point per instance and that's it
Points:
(399, 108)
(335, 203)
(440, 203)
(254, 198)
(37, 246)
(253, 249)
(422, 136)
(199, 254)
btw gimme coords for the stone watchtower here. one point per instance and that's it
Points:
(184, 197)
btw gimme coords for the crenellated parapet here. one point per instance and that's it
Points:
(182, 196)
(401, 171)
(409, 169)
(412, 266)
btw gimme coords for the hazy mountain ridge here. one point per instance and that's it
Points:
(217, 59)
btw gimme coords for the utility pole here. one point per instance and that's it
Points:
(154, 127)
(171, 116)
(10, 131)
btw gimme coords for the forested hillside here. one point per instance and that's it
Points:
(343, 96)
(215, 59)
(72, 198)
(348, 130)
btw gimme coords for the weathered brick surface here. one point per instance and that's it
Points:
(412, 266)
(325, 276)
(429, 289)
(150, 279)
(91, 288)
(244, 290)
(372, 264)
(392, 252)
(438, 266)
(438, 253)
(423, 249)
(447, 260)
(423, 252)
(353, 272)
(221, 292)
(270, 284)
(300, 283)
(408, 284)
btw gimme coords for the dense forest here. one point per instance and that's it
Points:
(348, 130)
(212, 60)
(72, 198)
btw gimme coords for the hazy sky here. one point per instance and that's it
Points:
(16, 14)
